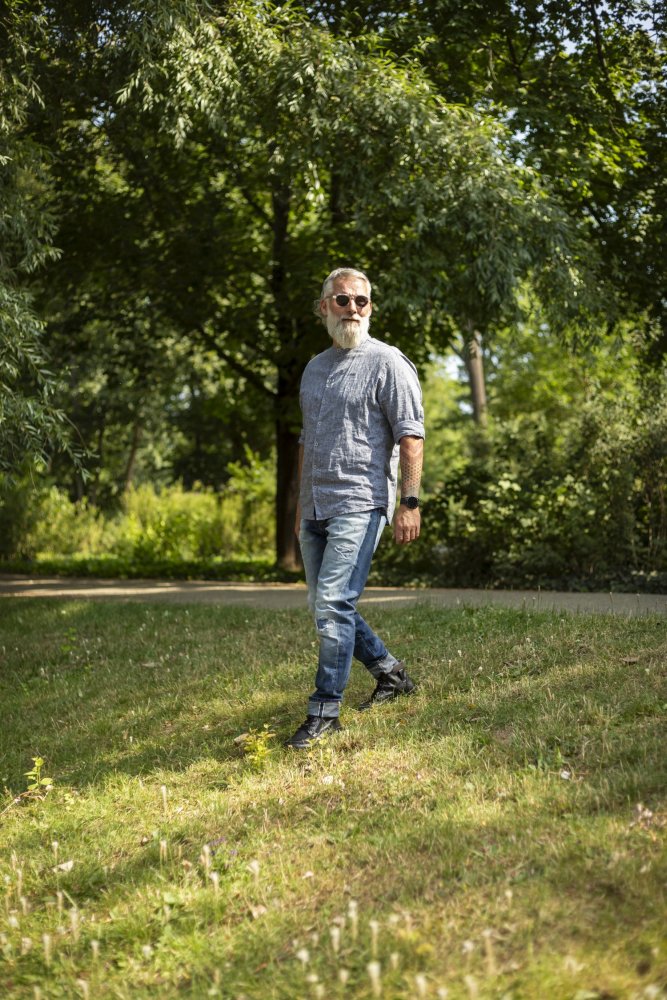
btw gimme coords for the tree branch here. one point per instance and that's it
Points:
(516, 65)
(237, 366)
(599, 47)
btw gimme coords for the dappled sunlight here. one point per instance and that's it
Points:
(485, 829)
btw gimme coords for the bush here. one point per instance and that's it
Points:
(154, 526)
(18, 514)
(62, 527)
(585, 511)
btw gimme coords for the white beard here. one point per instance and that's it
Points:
(348, 333)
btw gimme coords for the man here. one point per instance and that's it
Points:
(362, 414)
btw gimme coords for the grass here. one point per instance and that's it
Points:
(500, 834)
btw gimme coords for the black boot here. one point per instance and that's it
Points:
(390, 686)
(312, 730)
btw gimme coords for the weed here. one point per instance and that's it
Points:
(255, 744)
(38, 785)
(36, 781)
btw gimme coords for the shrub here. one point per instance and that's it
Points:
(62, 527)
(18, 513)
(585, 510)
(154, 526)
(175, 524)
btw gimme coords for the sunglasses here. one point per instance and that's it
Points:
(360, 301)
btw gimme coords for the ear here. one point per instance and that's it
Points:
(323, 307)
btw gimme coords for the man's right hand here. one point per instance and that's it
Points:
(297, 521)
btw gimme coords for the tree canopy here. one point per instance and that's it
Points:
(206, 164)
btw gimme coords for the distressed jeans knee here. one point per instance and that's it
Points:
(325, 626)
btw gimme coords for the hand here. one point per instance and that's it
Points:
(407, 525)
(297, 521)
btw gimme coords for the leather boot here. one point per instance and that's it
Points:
(312, 730)
(390, 686)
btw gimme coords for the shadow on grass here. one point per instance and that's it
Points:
(94, 695)
(99, 690)
(116, 693)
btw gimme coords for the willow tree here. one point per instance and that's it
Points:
(30, 422)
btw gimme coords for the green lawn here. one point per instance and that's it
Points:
(501, 833)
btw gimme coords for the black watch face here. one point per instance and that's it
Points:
(411, 503)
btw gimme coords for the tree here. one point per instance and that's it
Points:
(30, 424)
(134, 229)
(582, 88)
(253, 148)
(326, 150)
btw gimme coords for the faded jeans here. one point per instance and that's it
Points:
(337, 555)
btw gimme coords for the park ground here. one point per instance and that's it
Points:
(274, 596)
(501, 833)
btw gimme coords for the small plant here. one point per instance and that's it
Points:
(67, 647)
(255, 745)
(37, 783)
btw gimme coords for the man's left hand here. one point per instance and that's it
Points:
(407, 524)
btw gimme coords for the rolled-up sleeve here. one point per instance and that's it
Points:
(400, 397)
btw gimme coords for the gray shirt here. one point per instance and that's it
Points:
(357, 405)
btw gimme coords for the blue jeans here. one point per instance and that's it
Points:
(337, 555)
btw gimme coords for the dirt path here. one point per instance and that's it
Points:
(285, 595)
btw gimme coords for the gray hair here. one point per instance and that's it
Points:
(339, 272)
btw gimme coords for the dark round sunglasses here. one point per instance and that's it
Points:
(360, 301)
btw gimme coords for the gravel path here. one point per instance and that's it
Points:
(287, 595)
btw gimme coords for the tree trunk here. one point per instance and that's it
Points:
(134, 448)
(289, 372)
(474, 362)
(288, 555)
(93, 492)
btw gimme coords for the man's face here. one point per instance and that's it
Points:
(347, 324)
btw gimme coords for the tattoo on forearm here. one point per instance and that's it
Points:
(411, 459)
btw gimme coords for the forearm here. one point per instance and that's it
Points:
(407, 524)
(411, 459)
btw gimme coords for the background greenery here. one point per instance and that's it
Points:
(178, 178)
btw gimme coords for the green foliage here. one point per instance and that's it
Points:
(256, 748)
(31, 424)
(154, 526)
(175, 524)
(65, 527)
(595, 519)
(582, 87)
(568, 488)
(205, 165)
(18, 515)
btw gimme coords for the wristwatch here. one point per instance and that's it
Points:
(410, 502)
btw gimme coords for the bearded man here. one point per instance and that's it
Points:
(362, 415)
